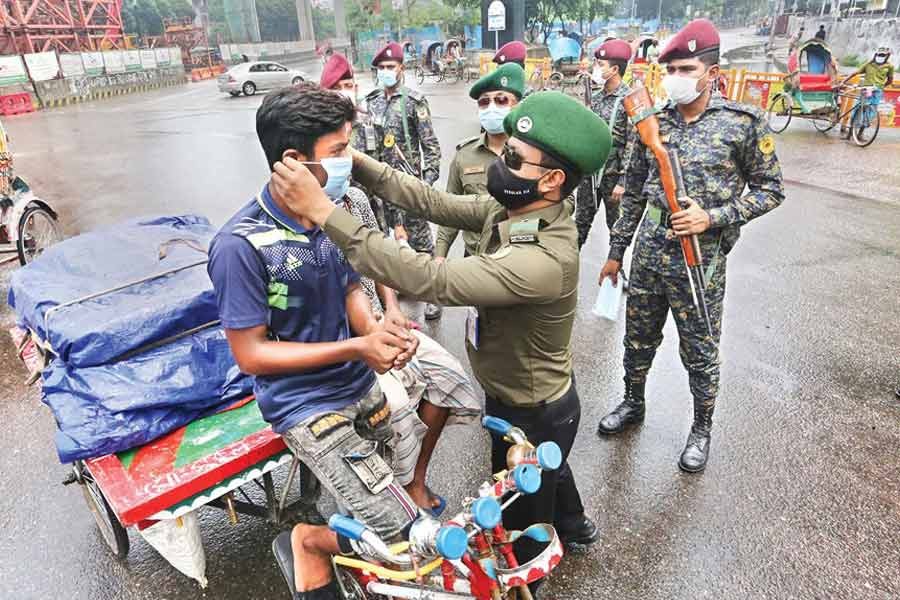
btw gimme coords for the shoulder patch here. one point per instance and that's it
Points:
(415, 94)
(767, 144)
(746, 109)
(467, 141)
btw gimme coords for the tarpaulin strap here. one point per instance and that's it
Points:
(193, 244)
(164, 341)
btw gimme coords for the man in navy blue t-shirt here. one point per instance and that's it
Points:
(298, 320)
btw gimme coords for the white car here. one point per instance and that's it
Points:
(261, 75)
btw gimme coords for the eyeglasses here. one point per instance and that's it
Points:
(499, 101)
(514, 160)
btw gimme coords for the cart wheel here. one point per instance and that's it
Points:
(779, 115)
(457, 74)
(420, 75)
(112, 531)
(865, 126)
(556, 81)
(825, 125)
(38, 229)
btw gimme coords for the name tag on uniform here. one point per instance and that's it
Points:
(370, 138)
(473, 170)
(472, 326)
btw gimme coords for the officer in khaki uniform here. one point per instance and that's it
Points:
(522, 286)
(496, 93)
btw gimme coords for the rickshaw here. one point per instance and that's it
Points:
(811, 92)
(565, 54)
(27, 224)
(455, 61)
(410, 58)
(431, 64)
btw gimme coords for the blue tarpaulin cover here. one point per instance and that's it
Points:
(108, 390)
(95, 331)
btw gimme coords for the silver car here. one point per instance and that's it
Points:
(249, 77)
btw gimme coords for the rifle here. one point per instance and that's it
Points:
(642, 113)
(595, 183)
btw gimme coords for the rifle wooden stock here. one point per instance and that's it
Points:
(639, 107)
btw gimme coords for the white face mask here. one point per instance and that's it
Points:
(601, 75)
(681, 89)
(881, 58)
(350, 94)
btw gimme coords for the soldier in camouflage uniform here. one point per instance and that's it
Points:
(367, 136)
(611, 60)
(408, 134)
(723, 146)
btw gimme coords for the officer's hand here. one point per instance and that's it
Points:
(379, 350)
(400, 233)
(691, 220)
(617, 193)
(439, 259)
(611, 269)
(396, 316)
(297, 187)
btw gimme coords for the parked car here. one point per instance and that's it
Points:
(249, 77)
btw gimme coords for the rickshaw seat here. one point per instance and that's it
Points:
(814, 82)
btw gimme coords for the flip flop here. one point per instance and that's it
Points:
(438, 510)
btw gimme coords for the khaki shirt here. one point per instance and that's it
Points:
(468, 175)
(524, 286)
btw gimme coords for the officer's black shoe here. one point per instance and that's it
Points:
(582, 532)
(630, 410)
(433, 311)
(696, 451)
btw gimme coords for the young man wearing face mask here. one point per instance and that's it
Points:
(878, 72)
(406, 120)
(723, 146)
(298, 320)
(610, 61)
(522, 283)
(496, 93)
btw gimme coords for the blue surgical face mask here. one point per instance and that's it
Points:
(338, 170)
(491, 118)
(387, 78)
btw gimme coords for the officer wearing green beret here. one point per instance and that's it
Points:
(496, 93)
(521, 286)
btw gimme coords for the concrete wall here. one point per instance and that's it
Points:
(853, 36)
(59, 92)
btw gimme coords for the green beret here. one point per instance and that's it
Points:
(563, 128)
(505, 78)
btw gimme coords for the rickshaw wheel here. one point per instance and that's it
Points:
(826, 125)
(865, 125)
(556, 81)
(457, 74)
(38, 229)
(111, 530)
(420, 75)
(779, 115)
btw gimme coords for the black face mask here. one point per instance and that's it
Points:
(509, 189)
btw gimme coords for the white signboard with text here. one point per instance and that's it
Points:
(175, 55)
(93, 62)
(42, 66)
(71, 64)
(133, 60)
(162, 57)
(114, 61)
(496, 16)
(12, 70)
(148, 59)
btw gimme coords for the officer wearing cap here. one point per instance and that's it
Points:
(513, 52)
(409, 142)
(723, 146)
(521, 286)
(367, 135)
(610, 61)
(496, 93)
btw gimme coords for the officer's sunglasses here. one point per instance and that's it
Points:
(499, 101)
(514, 160)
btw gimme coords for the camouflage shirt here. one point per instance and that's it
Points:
(367, 136)
(602, 103)
(422, 150)
(728, 147)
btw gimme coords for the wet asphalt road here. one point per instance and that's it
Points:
(800, 499)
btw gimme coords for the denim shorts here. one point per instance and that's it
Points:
(349, 467)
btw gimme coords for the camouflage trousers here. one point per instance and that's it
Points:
(586, 210)
(417, 228)
(651, 297)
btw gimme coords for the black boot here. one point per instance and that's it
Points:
(630, 410)
(696, 451)
(581, 532)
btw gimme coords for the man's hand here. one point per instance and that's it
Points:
(400, 233)
(297, 187)
(396, 323)
(617, 193)
(691, 220)
(439, 259)
(380, 350)
(610, 269)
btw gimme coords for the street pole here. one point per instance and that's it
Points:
(776, 7)
(659, 16)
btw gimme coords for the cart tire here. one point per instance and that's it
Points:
(458, 73)
(865, 125)
(420, 75)
(111, 530)
(28, 246)
(779, 114)
(556, 81)
(823, 125)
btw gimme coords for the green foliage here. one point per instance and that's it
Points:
(145, 17)
(851, 60)
(277, 20)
